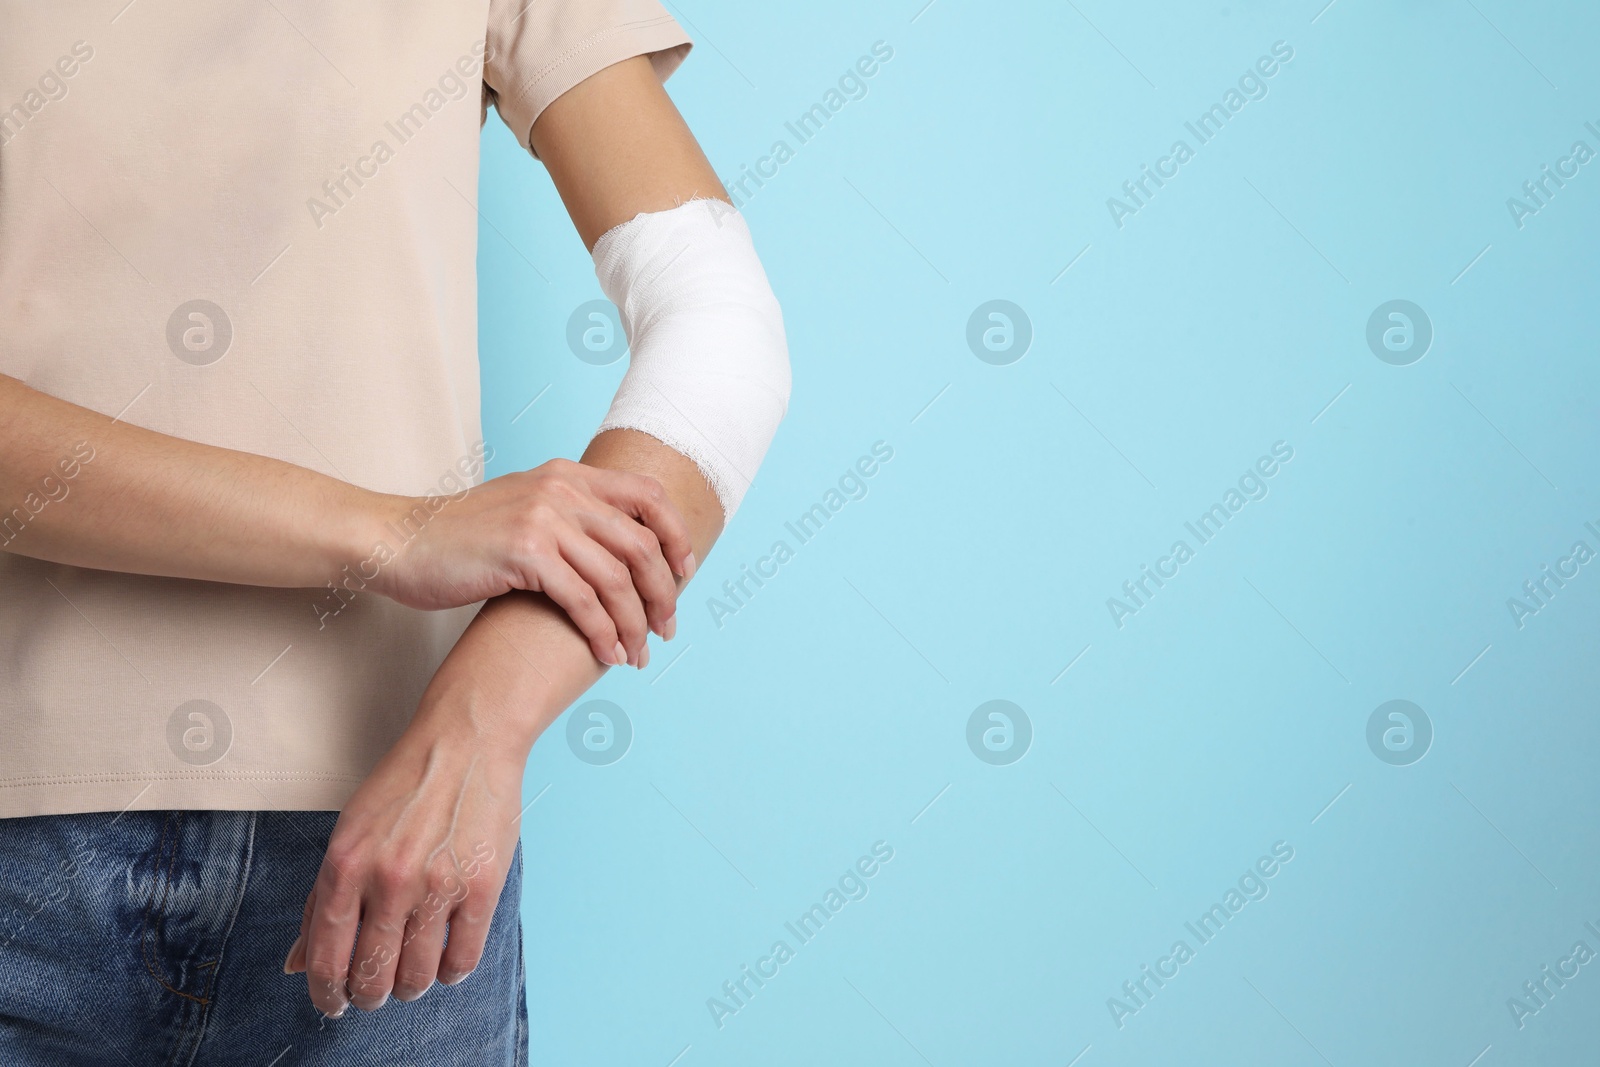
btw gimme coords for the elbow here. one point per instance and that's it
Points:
(710, 373)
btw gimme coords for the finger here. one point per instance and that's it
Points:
(425, 933)
(639, 548)
(329, 938)
(307, 911)
(377, 952)
(611, 580)
(480, 881)
(421, 950)
(469, 932)
(295, 961)
(577, 598)
(643, 498)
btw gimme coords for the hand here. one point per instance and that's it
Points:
(424, 845)
(604, 545)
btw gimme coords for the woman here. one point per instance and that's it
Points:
(273, 660)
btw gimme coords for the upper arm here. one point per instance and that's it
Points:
(615, 146)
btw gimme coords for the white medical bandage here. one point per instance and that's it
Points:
(709, 371)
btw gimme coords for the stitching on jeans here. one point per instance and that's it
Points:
(158, 897)
(149, 898)
(151, 901)
(151, 963)
(158, 902)
(215, 965)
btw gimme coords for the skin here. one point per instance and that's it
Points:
(577, 563)
(596, 541)
(424, 845)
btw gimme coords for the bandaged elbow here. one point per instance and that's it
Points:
(709, 372)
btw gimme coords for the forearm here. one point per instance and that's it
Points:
(522, 662)
(707, 383)
(701, 319)
(79, 488)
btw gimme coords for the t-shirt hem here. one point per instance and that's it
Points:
(660, 38)
(197, 791)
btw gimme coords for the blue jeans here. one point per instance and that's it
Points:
(157, 938)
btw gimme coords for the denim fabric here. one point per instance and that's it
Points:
(157, 938)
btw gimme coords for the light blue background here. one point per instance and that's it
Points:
(1228, 713)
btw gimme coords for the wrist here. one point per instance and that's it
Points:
(455, 736)
(366, 536)
(495, 706)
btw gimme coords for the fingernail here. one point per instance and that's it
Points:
(340, 1013)
(670, 630)
(453, 979)
(619, 655)
(288, 960)
(689, 567)
(644, 657)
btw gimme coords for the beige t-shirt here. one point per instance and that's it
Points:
(253, 226)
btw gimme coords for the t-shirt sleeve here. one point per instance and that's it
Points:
(538, 49)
